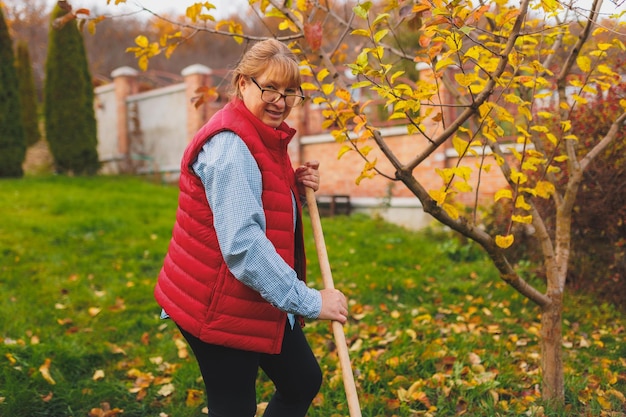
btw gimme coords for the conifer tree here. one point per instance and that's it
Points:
(70, 117)
(28, 95)
(12, 145)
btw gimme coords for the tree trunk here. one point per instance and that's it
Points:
(553, 388)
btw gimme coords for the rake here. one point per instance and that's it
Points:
(340, 337)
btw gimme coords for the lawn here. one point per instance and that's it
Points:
(433, 331)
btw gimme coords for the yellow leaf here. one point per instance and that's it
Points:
(604, 403)
(451, 210)
(503, 194)
(445, 174)
(166, 390)
(94, 311)
(460, 145)
(344, 149)
(518, 177)
(438, 195)
(343, 94)
(142, 63)
(322, 74)
(99, 374)
(141, 41)
(446, 62)
(620, 396)
(520, 202)
(552, 138)
(550, 5)
(308, 86)
(182, 348)
(365, 174)
(579, 99)
(361, 84)
(380, 34)
(473, 52)
(361, 32)
(522, 219)
(44, 369)
(195, 397)
(504, 241)
(545, 189)
(327, 89)
(462, 186)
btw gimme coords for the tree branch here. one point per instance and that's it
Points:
(483, 95)
(506, 270)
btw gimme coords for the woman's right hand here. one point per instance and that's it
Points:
(334, 306)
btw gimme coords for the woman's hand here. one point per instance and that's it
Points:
(309, 175)
(334, 306)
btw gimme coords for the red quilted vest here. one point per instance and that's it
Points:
(195, 286)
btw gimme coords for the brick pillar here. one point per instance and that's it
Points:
(125, 82)
(196, 76)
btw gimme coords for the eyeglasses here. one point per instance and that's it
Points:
(269, 95)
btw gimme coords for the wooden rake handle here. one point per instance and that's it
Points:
(327, 277)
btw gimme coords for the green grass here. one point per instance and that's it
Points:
(433, 330)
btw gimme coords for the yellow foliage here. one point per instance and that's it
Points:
(522, 219)
(504, 241)
(521, 203)
(450, 210)
(545, 189)
(503, 194)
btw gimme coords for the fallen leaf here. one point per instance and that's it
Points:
(45, 371)
(182, 349)
(94, 311)
(104, 411)
(99, 374)
(474, 359)
(119, 305)
(166, 390)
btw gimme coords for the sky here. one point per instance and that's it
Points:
(178, 7)
(174, 7)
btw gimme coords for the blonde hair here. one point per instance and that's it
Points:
(271, 55)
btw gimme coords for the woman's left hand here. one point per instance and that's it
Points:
(309, 175)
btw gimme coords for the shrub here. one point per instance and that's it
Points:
(12, 146)
(28, 95)
(70, 117)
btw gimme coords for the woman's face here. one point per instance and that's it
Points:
(272, 114)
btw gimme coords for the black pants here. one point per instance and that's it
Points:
(230, 376)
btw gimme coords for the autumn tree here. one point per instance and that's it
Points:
(28, 95)
(69, 99)
(503, 67)
(12, 146)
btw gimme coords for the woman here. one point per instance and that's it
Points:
(233, 279)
